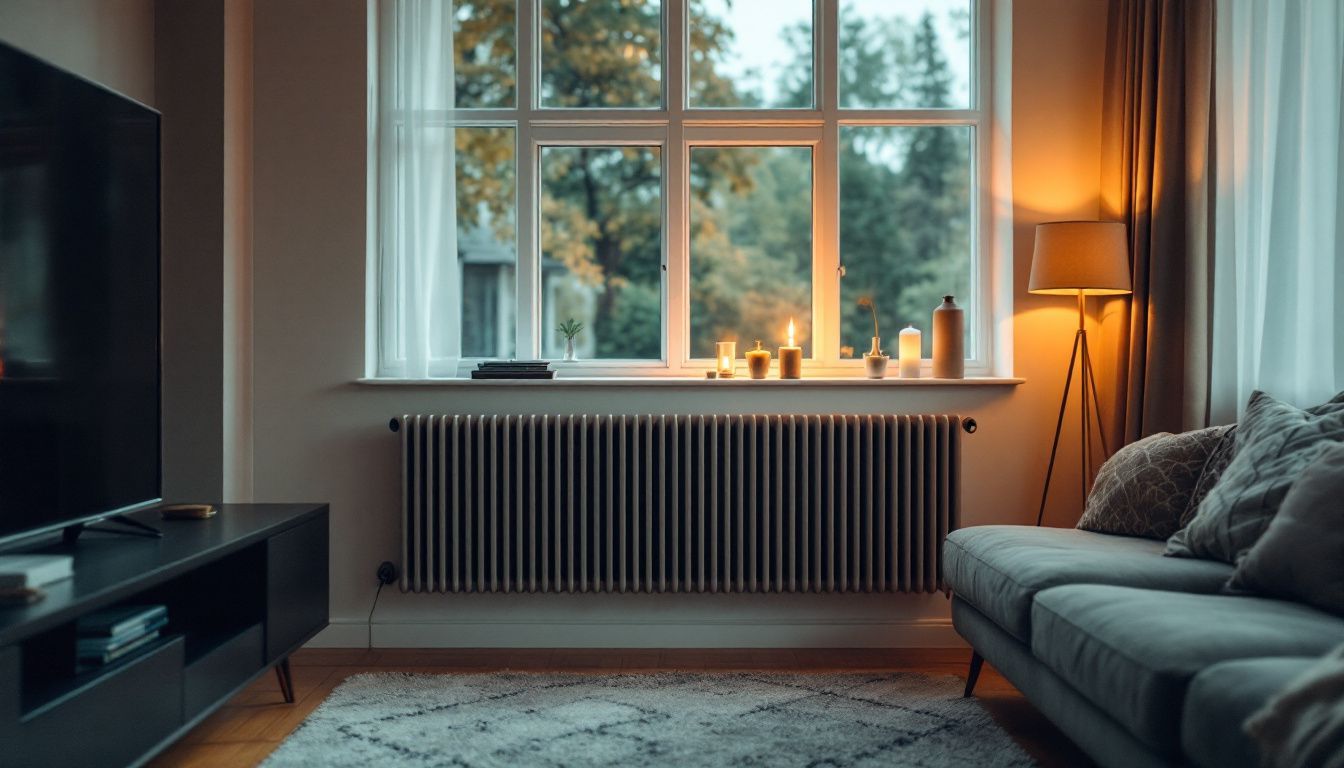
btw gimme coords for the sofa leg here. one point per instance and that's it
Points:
(973, 673)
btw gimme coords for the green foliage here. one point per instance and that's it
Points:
(905, 230)
(904, 198)
(484, 59)
(570, 328)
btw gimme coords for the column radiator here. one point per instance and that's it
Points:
(661, 503)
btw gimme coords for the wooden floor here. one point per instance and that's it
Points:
(246, 729)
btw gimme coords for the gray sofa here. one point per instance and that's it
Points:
(1136, 657)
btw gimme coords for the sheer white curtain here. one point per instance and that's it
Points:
(1278, 284)
(418, 275)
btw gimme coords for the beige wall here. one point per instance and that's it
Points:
(178, 56)
(319, 436)
(190, 62)
(109, 41)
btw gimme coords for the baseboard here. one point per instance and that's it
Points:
(918, 633)
(340, 634)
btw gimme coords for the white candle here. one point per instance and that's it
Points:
(910, 351)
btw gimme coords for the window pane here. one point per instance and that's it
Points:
(486, 240)
(601, 53)
(602, 250)
(484, 57)
(905, 229)
(751, 246)
(751, 53)
(913, 54)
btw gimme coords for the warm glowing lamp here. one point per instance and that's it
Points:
(790, 358)
(1083, 258)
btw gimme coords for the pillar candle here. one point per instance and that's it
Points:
(790, 358)
(758, 361)
(910, 351)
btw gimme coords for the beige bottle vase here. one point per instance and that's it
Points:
(949, 340)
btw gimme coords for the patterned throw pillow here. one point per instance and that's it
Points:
(1275, 442)
(1145, 487)
(1224, 449)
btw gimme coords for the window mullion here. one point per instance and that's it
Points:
(826, 189)
(528, 271)
(676, 192)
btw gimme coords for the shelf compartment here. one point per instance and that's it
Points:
(217, 665)
(152, 678)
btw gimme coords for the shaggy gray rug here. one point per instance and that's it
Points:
(658, 719)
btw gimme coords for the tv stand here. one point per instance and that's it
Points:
(133, 528)
(244, 589)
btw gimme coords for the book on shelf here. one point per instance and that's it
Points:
(513, 369)
(121, 620)
(89, 645)
(501, 365)
(512, 374)
(20, 571)
(107, 657)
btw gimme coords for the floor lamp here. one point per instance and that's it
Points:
(1083, 258)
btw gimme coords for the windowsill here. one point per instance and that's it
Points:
(697, 382)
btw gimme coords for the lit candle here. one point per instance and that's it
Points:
(910, 350)
(758, 361)
(790, 358)
(726, 355)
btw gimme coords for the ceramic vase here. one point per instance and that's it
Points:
(874, 362)
(949, 340)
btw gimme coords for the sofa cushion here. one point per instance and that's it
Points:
(1301, 554)
(1144, 489)
(1219, 700)
(1275, 443)
(999, 568)
(1132, 652)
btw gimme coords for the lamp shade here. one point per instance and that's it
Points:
(1087, 256)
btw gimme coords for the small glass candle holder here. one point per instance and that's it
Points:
(725, 358)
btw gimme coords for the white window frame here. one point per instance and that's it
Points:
(676, 129)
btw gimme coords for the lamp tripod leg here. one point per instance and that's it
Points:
(1096, 401)
(1059, 426)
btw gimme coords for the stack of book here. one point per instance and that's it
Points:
(109, 634)
(514, 369)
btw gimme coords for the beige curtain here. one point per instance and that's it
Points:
(1156, 177)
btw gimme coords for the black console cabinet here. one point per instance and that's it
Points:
(244, 589)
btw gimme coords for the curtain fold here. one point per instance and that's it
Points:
(1156, 177)
(1278, 322)
(419, 282)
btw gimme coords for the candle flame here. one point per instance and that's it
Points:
(791, 332)
(724, 364)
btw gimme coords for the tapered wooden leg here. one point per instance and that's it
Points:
(973, 673)
(287, 680)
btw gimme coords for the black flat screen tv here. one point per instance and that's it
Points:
(79, 300)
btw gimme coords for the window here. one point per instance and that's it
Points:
(671, 173)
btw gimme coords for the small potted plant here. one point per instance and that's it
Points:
(874, 362)
(569, 329)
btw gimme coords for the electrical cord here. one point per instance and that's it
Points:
(387, 573)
